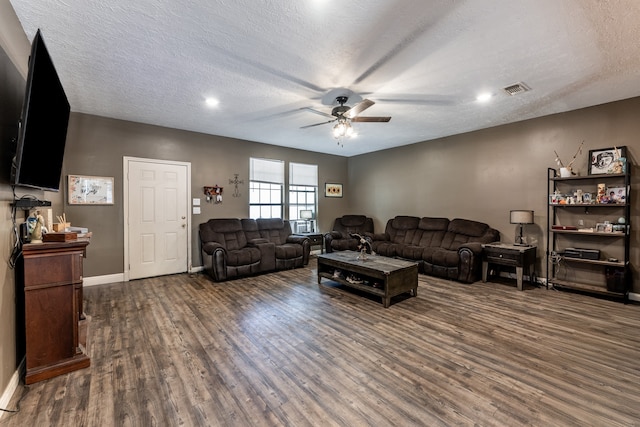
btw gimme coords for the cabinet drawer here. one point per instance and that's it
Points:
(52, 269)
(315, 240)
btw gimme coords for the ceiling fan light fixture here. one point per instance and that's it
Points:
(342, 129)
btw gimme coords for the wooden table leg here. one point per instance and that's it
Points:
(519, 277)
(485, 268)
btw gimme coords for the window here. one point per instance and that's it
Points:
(266, 185)
(303, 196)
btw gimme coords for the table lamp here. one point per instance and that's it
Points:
(307, 215)
(521, 217)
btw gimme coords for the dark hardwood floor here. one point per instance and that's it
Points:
(279, 349)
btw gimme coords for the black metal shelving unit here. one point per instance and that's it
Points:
(608, 275)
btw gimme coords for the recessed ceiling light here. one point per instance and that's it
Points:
(212, 102)
(484, 97)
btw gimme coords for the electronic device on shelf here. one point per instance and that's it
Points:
(592, 254)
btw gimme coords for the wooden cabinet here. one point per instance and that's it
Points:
(588, 240)
(51, 278)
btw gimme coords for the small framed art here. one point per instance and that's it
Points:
(90, 190)
(606, 160)
(617, 195)
(332, 190)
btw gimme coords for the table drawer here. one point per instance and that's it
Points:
(503, 257)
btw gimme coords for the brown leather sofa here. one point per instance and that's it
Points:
(451, 249)
(339, 239)
(234, 247)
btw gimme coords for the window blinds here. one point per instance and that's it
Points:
(265, 170)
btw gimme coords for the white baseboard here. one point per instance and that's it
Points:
(102, 280)
(118, 277)
(11, 388)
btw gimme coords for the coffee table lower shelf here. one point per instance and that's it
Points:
(392, 277)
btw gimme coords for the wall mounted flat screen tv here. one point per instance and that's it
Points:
(43, 128)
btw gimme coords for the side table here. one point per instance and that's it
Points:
(315, 239)
(521, 257)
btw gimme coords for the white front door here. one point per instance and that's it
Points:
(157, 215)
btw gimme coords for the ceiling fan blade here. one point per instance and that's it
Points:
(318, 124)
(317, 112)
(371, 119)
(358, 108)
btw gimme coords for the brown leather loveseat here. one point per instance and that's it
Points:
(234, 247)
(451, 249)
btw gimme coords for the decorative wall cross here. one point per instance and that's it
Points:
(235, 181)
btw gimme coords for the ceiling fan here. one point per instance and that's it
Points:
(343, 115)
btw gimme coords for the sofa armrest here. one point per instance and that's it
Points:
(267, 253)
(296, 238)
(210, 247)
(474, 247)
(470, 258)
(214, 260)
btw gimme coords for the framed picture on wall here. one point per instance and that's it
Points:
(604, 160)
(90, 190)
(332, 190)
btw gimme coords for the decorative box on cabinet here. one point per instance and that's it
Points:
(571, 263)
(54, 321)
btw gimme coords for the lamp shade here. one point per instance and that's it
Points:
(521, 217)
(306, 214)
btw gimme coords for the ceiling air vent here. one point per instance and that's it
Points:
(516, 88)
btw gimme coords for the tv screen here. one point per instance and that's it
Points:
(43, 129)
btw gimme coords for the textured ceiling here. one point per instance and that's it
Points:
(423, 62)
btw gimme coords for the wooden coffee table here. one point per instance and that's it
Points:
(379, 275)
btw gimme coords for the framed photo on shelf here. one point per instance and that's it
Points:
(602, 227)
(332, 190)
(603, 160)
(90, 190)
(617, 195)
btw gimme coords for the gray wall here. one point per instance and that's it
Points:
(483, 175)
(97, 145)
(14, 43)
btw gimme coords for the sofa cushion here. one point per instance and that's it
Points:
(468, 227)
(289, 251)
(409, 251)
(226, 231)
(353, 220)
(250, 227)
(445, 258)
(433, 231)
(404, 230)
(463, 231)
(275, 230)
(402, 222)
(348, 224)
(245, 256)
(433, 224)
